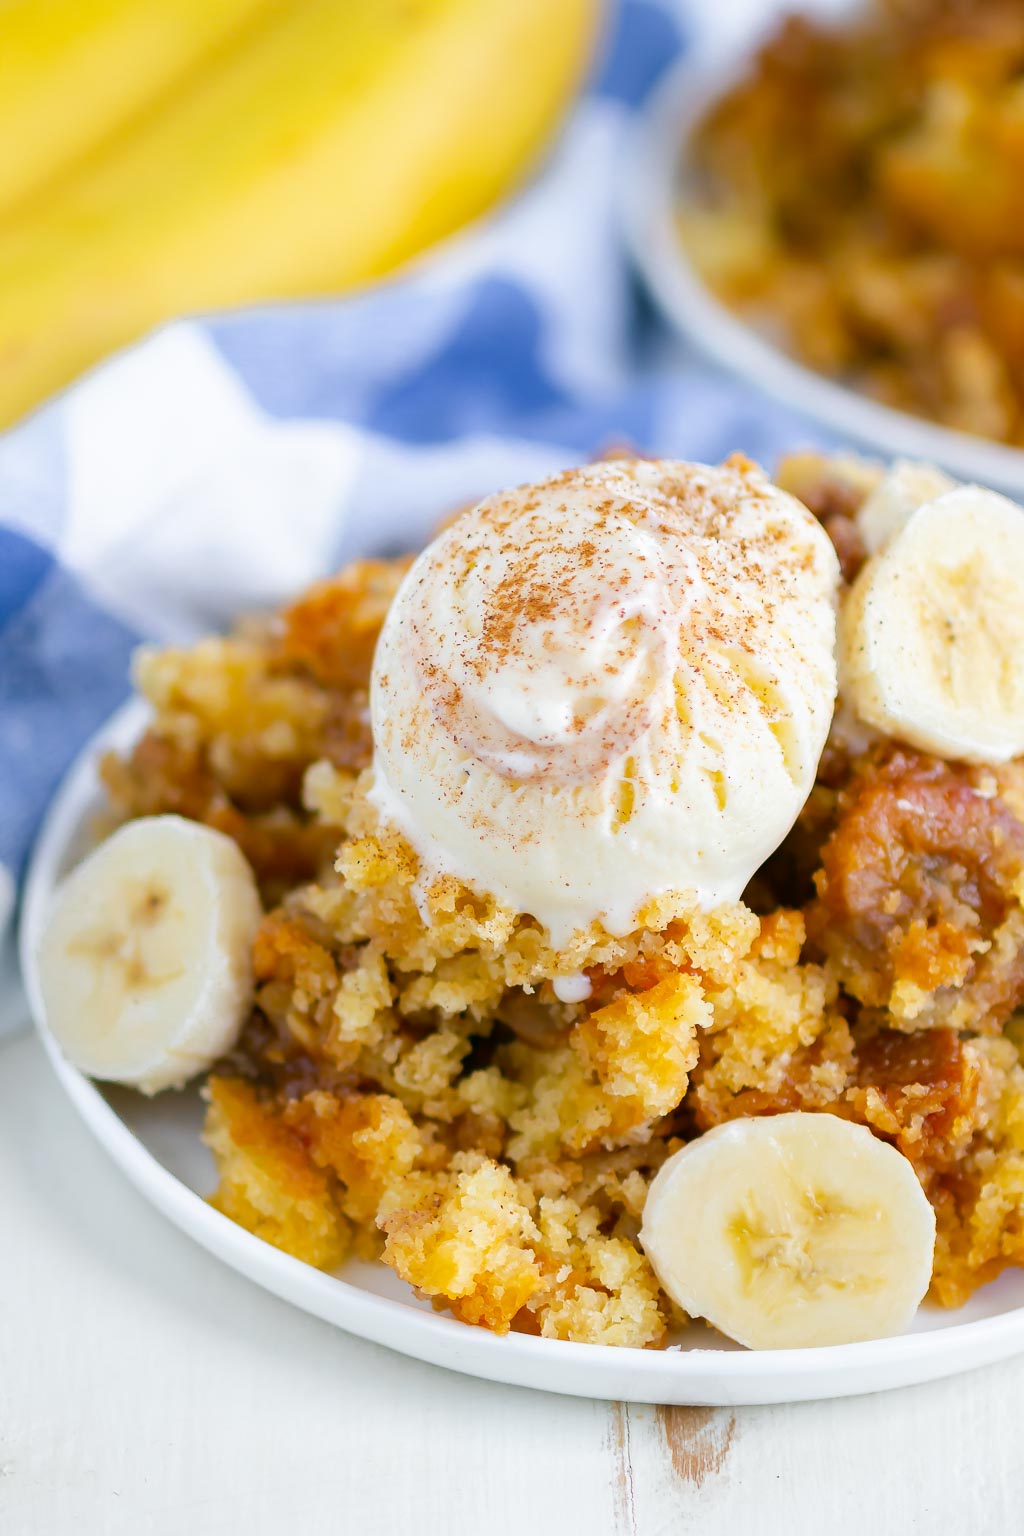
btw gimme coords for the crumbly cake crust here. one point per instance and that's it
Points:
(417, 1090)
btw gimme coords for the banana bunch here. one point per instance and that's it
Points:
(168, 156)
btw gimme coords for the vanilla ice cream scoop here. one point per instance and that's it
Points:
(607, 686)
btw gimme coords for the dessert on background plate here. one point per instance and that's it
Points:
(857, 196)
(643, 886)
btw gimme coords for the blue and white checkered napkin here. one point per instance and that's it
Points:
(223, 464)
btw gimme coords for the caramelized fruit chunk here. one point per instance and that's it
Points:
(921, 1089)
(917, 901)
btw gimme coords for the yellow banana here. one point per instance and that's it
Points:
(74, 71)
(335, 141)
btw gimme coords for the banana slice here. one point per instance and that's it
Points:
(901, 490)
(145, 965)
(788, 1231)
(931, 636)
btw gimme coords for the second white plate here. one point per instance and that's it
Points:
(652, 179)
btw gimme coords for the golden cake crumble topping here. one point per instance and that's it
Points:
(427, 1079)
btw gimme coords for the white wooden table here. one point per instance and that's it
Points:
(147, 1390)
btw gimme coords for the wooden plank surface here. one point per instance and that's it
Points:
(147, 1390)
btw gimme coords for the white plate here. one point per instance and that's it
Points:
(655, 165)
(156, 1143)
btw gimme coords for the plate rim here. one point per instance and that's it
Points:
(654, 152)
(613, 1372)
